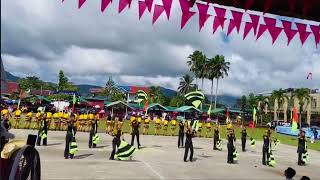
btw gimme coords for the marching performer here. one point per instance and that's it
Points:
(43, 130)
(158, 126)
(208, 126)
(28, 120)
(200, 129)
(181, 134)
(232, 154)
(37, 120)
(188, 144)
(266, 147)
(17, 117)
(135, 132)
(243, 138)
(117, 136)
(216, 137)
(56, 120)
(301, 148)
(173, 126)
(165, 127)
(71, 146)
(93, 133)
(146, 125)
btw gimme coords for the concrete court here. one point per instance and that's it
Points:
(161, 159)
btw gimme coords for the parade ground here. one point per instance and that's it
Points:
(160, 158)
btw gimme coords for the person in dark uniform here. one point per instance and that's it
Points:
(266, 147)
(70, 136)
(216, 138)
(135, 132)
(188, 145)
(116, 141)
(231, 138)
(301, 147)
(243, 138)
(93, 131)
(181, 134)
(43, 131)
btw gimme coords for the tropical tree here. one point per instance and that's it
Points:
(186, 84)
(117, 96)
(177, 101)
(252, 101)
(64, 83)
(217, 69)
(303, 96)
(243, 103)
(263, 103)
(281, 97)
(196, 63)
(155, 95)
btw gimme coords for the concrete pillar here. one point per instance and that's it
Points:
(275, 108)
(309, 113)
(285, 108)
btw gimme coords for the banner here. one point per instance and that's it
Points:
(290, 33)
(235, 22)
(316, 32)
(219, 19)
(123, 4)
(167, 7)
(186, 15)
(105, 4)
(253, 25)
(157, 11)
(142, 7)
(303, 34)
(80, 3)
(203, 16)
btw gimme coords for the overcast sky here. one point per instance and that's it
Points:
(40, 37)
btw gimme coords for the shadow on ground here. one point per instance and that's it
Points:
(82, 156)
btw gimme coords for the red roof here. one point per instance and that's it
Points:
(12, 87)
(96, 90)
(134, 89)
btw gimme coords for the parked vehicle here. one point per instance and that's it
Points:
(274, 124)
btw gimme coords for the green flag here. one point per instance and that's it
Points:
(125, 151)
(209, 110)
(74, 99)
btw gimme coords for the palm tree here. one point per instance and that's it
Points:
(155, 94)
(194, 62)
(217, 69)
(303, 95)
(186, 84)
(281, 97)
(261, 106)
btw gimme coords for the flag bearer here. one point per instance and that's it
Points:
(71, 146)
(181, 134)
(216, 136)
(301, 148)
(243, 138)
(93, 133)
(135, 132)
(266, 147)
(43, 130)
(231, 148)
(188, 144)
(117, 135)
(28, 119)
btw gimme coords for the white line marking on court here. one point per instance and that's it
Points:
(153, 170)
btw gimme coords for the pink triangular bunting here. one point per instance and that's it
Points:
(142, 7)
(303, 34)
(255, 22)
(316, 32)
(220, 12)
(235, 22)
(274, 32)
(185, 5)
(104, 4)
(80, 3)
(203, 16)
(123, 4)
(157, 11)
(290, 33)
(186, 15)
(167, 7)
(248, 26)
(270, 22)
(149, 4)
(218, 21)
(262, 29)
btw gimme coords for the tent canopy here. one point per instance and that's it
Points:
(187, 109)
(110, 104)
(157, 106)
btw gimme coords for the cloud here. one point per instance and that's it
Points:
(41, 37)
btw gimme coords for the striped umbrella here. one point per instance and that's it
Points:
(195, 98)
(125, 151)
(141, 96)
